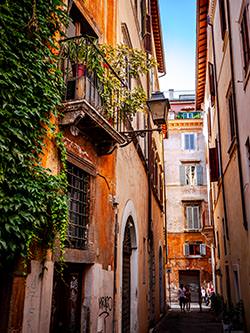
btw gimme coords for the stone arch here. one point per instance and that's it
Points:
(129, 269)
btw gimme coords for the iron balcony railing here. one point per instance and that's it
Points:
(81, 78)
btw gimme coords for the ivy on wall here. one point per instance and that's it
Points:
(33, 202)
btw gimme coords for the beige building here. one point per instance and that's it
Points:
(223, 91)
(189, 233)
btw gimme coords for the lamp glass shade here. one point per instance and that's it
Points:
(158, 105)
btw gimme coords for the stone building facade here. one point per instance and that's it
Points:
(189, 233)
(223, 92)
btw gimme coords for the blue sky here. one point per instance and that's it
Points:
(178, 20)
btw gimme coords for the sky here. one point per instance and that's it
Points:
(178, 21)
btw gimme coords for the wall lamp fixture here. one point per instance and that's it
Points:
(158, 106)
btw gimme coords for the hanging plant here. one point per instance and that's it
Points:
(114, 67)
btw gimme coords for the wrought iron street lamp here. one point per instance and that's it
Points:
(158, 105)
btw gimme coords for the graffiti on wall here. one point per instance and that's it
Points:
(105, 307)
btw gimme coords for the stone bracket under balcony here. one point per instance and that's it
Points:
(83, 117)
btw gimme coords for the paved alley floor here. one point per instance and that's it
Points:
(184, 322)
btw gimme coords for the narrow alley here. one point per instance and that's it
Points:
(194, 321)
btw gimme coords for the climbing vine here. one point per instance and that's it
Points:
(33, 201)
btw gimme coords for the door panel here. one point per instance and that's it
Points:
(192, 279)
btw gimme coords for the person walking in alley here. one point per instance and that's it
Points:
(181, 293)
(200, 298)
(187, 298)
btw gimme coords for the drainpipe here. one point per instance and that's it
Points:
(236, 118)
(115, 267)
(165, 212)
(219, 130)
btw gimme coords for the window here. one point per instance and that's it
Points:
(188, 141)
(193, 217)
(211, 81)
(218, 244)
(214, 164)
(231, 110)
(247, 145)
(244, 31)
(79, 186)
(191, 175)
(222, 18)
(194, 249)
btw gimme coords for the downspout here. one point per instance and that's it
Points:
(115, 268)
(236, 119)
(165, 214)
(219, 131)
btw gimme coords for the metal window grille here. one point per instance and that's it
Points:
(78, 190)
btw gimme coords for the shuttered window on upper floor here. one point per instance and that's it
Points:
(188, 141)
(191, 174)
(193, 218)
(244, 31)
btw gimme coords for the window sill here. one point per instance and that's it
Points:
(194, 256)
(192, 230)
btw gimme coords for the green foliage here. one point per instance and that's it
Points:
(126, 64)
(33, 202)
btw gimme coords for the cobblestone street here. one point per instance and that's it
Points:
(194, 321)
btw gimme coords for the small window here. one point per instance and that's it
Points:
(247, 145)
(194, 249)
(244, 31)
(222, 18)
(211, 82)
(78, 189)
(191, 175)
(188, 141)
(231, 110)
(193, 218)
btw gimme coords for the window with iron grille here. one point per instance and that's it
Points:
(244, 31)
(78, 190)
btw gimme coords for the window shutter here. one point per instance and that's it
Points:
(189, 217)
(213, 164)
(203, 249)
(196, 217)
(199, 174)
(182, 141)
(186, 249)
(182, 174)
(186, 142)
(191, 143)
(143, 18)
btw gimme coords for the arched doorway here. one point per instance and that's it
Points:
(128, 271)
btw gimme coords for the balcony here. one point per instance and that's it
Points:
(84, 109)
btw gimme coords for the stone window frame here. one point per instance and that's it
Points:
(188, 204)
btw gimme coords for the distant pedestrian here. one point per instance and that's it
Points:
(187, 298)
(181, 293)
(200, 298)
